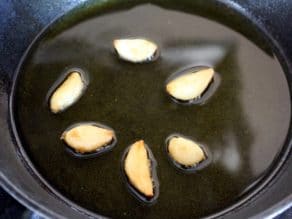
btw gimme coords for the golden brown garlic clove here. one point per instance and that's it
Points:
(185, 151)
(88, 137)
(68, 92)
(190, 85)
(136, 50)
(139, 167)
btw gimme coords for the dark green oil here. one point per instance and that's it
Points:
(243, 124)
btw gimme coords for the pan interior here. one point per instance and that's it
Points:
(243, 124)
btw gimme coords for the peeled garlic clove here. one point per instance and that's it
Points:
(140, 170)
(68, 92)
(136, 50)
(185, 151)
(137, 167)
(190, 85)
(88, 138)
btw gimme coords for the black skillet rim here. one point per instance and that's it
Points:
(235, 207)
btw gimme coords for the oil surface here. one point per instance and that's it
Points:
(243, 124)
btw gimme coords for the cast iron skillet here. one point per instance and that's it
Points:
(22, 21)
